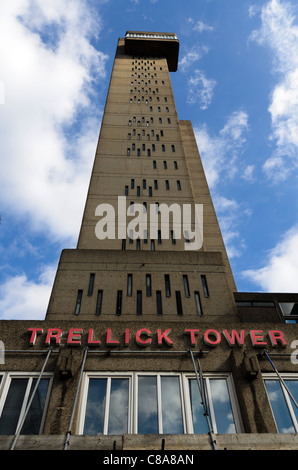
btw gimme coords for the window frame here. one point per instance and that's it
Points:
(5, 383)
(267, 376)
(185, 400)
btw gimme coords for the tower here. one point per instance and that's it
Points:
(146, 157)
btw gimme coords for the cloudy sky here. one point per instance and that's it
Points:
(237, 82)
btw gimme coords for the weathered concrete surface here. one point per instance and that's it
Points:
(132, 442)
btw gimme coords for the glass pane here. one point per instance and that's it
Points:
(222, 406)
(171, 406)
(293, 387)
(199, 420)
(12, 407)
(94, 419)
(118, 415)
(33, 420)
(279, 407)
(147, 405)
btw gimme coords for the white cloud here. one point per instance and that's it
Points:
(47, 65)
(280, 33)
(248, 173)
(220, 152)
(191, 57)
(200, 89)
(24, 299)
(199, 26)
(280, 273)
(220, 155)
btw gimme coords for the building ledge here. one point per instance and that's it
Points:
(153, 442)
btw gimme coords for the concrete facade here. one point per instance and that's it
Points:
(122, 312)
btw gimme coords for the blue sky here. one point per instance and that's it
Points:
(237, 82)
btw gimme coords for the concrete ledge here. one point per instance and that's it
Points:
(131, 442)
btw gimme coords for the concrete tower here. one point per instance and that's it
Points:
(145, 156)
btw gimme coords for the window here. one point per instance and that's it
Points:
(205, 286)
(178, 303)
(158, 302)
(157, 403)
(139, 302)
(17, 389)
(289, 311)
(178, 185)
(119, 302)
(78, 302)
(91, 284)
(186, 285)
(123, 244)
(167, 285)
(106, 409)
(167, 185)
(176, 165)
(129, 285)
(198, 303)
(148, 285)
(99, 302)
(173, 148)
(173, 237)
(283, 408)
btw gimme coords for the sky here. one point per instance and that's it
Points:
(237, 81)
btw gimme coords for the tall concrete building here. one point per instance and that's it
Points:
(146, 343)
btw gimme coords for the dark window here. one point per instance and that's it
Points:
(186, 286)
(178, 185)
(158, 302)
(198, 303)
(99, 302)
(139, 302)
(167, 285)
(91, 284)
(205, 286)
(148, 285)
(176, 165)
(124, 244)
(78, 302)
(126, 190)
(167, 185)
(119, 302)
(173, 237)
(129, 285)
(178, 303)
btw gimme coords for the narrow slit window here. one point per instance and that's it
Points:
(173, 237)
(91, 284)
(159, 239)
(176, 165)
(167, 185)
(129, 285)
(178, 185)
(138, 244)
(123, 244)
(155, 184)
(148, 285)
(178, 303)
(139, 302)
(152, 245)
(165, 165)
(119, 302)
(186, 285)
(198, 303)
(167, 285)
(205, 286)
(126, 190)
(173, 148)
(158, 302)
(132, 183)
(154, 164)
(78, 302)
(99, 302)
